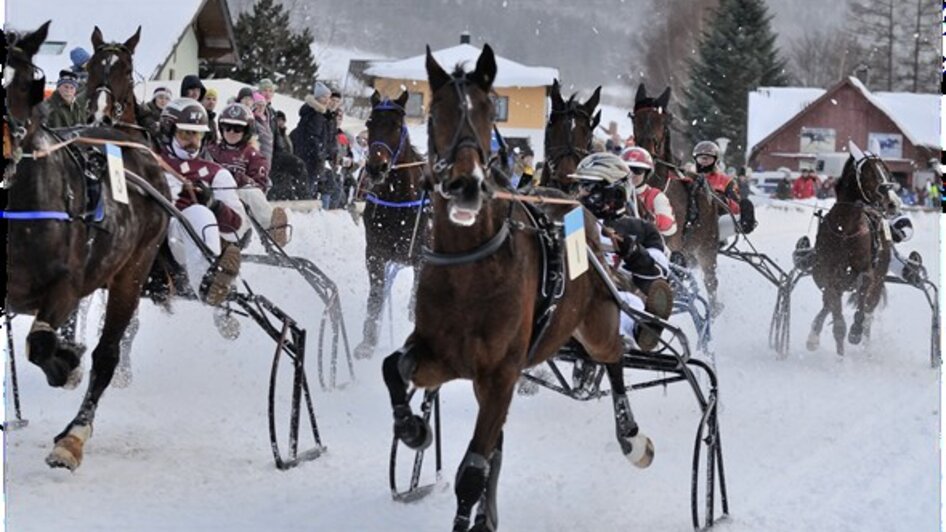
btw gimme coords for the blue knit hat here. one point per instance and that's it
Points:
(320, 89)
(79, 56)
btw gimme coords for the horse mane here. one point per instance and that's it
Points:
(846, 186)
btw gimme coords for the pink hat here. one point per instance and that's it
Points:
(258, 98)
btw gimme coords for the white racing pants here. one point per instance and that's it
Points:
(184, 248)
(258, 205)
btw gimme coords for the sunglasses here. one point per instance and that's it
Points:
(638, 171)
(235, 129)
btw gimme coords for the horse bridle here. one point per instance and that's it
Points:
(388, 105)
(14, 128)
(118, 108)
(443, 164)
(554, 154)
(883, 187)
(658, 143)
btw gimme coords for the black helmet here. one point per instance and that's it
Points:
(237, 114)
(706, 147)
(183, 113)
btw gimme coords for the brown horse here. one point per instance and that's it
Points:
(476, 302)
(110, 88)
(853, 247)
(693, 202)
(69, 236)
(568, 137)
(395, 226)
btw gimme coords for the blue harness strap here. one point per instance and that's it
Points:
(35, 215)
(371, 198)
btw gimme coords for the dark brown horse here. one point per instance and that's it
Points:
(693, 205)
(476, 302)
(853, 247)
(568, 137)
(69, 236)
(395, 224)
(110, 88)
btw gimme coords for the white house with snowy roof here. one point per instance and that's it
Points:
(805, 127)
(521, 90)
(177, 36)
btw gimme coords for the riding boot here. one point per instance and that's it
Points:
(747, 221)
(659, 303)
(279, 226)
(913, 270)
(217, 282)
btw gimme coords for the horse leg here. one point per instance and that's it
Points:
(814, 337)
(708, 265)
(57, 357)
(494, 394)
(122, 302)
(487, 511)
(413, 303)
(637, 447)
(860, 295)
(832, 300)
(376, 270)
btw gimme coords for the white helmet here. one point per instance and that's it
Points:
(602, 166)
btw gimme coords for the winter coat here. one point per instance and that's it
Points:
(246, 163)
(149, 117)
(265, 135)
(725, 186)
(191, 81)
(227, 210)
(213, 136)
(313, 139)
(281, 142)
(278, 145)
(804, 187)
(657, 208)
(58, 113)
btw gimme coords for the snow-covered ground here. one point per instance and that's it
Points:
(810, 442)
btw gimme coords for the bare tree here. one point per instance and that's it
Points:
(819, 57)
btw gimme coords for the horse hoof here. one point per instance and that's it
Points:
(75, 378)
(641, 452)
(67, 453)
(364, 351)
(414, 432)
(813, 342)
(854, 335)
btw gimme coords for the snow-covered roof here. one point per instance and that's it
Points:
(333, 61)
(162, 24)
(508, 73)
(771, 107)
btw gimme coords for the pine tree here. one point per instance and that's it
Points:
(737, 54)
(270, 49)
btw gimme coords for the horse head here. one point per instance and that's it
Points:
(111, 88)
(569, 134)
(867, 179)
(388, 139)
(23, 83)
(652, 121)
(458, 131)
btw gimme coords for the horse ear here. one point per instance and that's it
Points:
(641, 93)
(664, 98)
(375, 98)
(595, 120)
(31, 43)
(97, 39)
(402, 99)
(556, 95)
(485, 72)
(436, 75)
(593, 101)
(133, 41)
(855, 151)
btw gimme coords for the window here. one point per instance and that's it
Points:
(501, 105)
(415, 104)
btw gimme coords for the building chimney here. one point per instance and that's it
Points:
(465, 37)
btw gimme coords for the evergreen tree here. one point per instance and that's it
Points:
(737, 54)
(270, 49)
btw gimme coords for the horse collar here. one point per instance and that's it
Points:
(435, 258)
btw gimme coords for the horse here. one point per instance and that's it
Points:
(110, 88)
(568, 137)
(694, 206)
(853, 247)
(68, 236)
(476, 309)
(394, 229)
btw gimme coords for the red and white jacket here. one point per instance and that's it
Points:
(230, 214)
(725, 186)
(248, 166)
(657, 207)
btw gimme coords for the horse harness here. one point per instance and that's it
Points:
(554, 154)
(13, 130)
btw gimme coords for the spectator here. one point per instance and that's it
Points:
(311, 139)
(804, 186)
(209, 101)
(62, 108)
(245, 97)
(80, 60)
(263, 130)
(826, 188)
(281, 142)
(191, 87)
(907, 196)
(268, 89)
(921, 196)
(151, 112)
(783, 190)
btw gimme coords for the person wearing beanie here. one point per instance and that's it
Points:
(191, 87)
(209, 101)
(63, 109)
(149, 115)
(80, 59)
(313, 140)
(264, 130)
(245, 97)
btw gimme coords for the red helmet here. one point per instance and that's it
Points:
(636, 157)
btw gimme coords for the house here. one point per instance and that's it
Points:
(178, 37)
(521, 91)
(805, 128)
